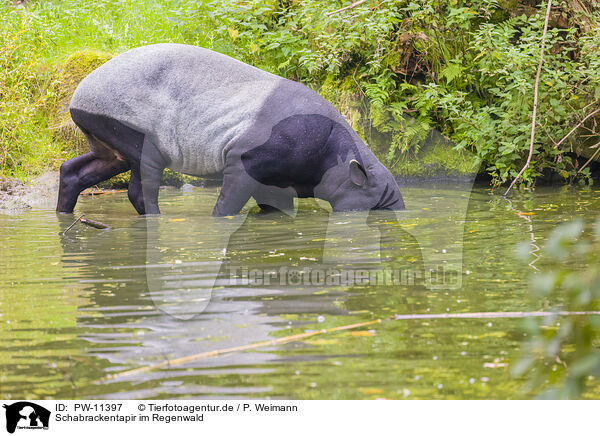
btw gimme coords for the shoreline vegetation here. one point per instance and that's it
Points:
(438, 89)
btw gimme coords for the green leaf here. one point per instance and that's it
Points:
(522, 366)
(451, 71)
(560, 239)
(588, 365)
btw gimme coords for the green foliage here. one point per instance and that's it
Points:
(562, 353)
(465, 68)
(23, 131)
(36, 43)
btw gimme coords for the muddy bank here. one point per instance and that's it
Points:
(11, 192)
(42, 192)
(16, 196)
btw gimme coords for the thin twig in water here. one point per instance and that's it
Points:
(535, 100)
(490, 315)
(279, 341)
(215, 353)
(72, 224)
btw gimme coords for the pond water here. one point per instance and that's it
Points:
(78, 307)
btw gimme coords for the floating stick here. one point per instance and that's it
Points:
(87, 222)
(92, 223)
(279, 341)
(486, 315)
(215, 353)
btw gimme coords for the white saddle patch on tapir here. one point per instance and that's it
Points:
(192, 100)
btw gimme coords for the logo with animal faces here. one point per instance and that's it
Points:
(25, 415)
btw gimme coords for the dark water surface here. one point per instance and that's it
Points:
(78, 307)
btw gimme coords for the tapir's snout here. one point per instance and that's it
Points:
(373, 188)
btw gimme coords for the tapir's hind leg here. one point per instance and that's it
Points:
(118, 147)
(83, 172)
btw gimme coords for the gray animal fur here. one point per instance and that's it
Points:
(199, 112)
(195, 103)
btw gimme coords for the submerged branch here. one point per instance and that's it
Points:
(72, 224)
(95, 224)
(87, 222)
(215, 353)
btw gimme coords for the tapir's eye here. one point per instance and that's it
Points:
(358, 175)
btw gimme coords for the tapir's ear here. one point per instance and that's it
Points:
(358, 175)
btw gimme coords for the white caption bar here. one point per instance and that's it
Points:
(265, 417)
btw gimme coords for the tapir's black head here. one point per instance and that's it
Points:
(322, 157)
(358, 181)
(364, 186)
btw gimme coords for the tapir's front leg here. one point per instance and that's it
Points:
(143, 189)
(237, 189)
(146, 176)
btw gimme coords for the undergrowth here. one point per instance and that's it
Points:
(397, 70)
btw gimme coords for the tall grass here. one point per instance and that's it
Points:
(35, 40)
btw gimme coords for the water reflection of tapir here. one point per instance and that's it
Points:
(321, 256)
(144, 302)
(199, 112)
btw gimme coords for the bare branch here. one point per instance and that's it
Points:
(590, 159)
(577, 126)
(535, 100)
(353, 5)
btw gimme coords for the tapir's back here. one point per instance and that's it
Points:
(191, 101)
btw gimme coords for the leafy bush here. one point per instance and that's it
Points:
(396, 68)
(24, 138)
(563, 351)
(464, 68)
(36, 43)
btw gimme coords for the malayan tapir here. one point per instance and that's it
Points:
(202, 113)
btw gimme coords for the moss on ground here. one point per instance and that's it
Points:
(345, 97)
(66, 76)
(437, 159)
